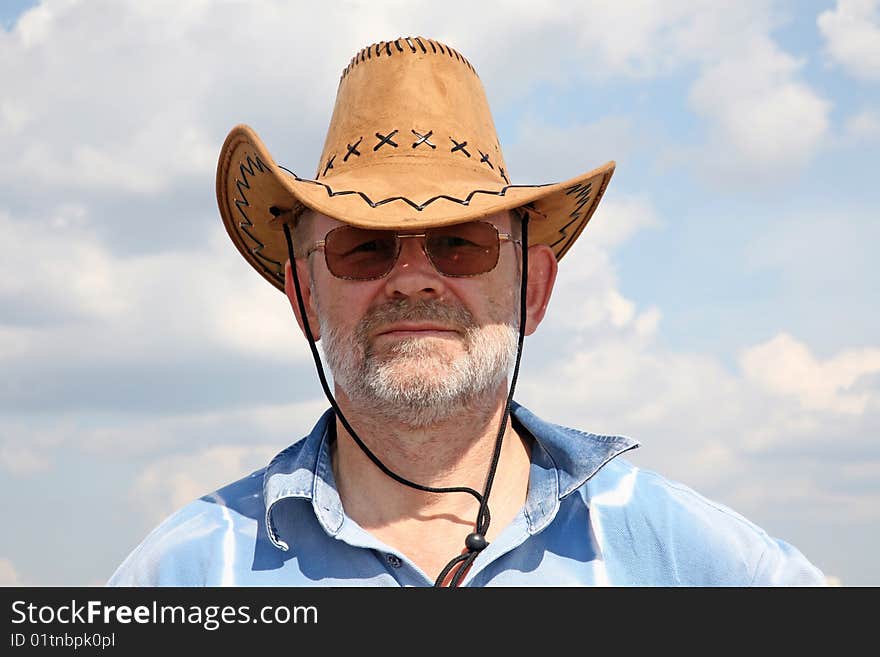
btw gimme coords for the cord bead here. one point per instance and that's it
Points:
(476, 542)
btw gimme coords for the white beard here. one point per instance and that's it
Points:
(416, 381)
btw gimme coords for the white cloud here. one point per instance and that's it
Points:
(618, 219)
(852, 36)
(28, 448)
(639, 39)
(8, 574)
(31, 447)
(280, 424)
(84, 121)
(172, 482)
(587, 291)
(760, 117)
(540, 153)
(720, 430)
(745, 438)
(762, 120)
(143, 93)
(862, 128)
(784, 366)
(107, 305)
(22, 459)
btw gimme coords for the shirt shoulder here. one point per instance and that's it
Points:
(190, 547)
(667, 526)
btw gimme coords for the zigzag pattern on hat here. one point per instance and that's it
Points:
(249, 168)
(416, 206)
(582, 194)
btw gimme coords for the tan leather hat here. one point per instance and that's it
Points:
(411, 144)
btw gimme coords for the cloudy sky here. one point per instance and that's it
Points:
(722, 306)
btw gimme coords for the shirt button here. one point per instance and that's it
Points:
(393, 560)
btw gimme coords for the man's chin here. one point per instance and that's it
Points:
(419, 372)
(420, 351)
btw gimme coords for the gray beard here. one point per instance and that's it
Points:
(415, 383)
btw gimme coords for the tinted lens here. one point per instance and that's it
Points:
(360, 254)
(464, 249)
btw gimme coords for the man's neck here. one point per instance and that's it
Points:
(454, 453)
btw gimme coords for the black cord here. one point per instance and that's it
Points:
(475, 541)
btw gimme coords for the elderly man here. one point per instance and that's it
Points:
(420, 269)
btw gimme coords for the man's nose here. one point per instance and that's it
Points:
(413, 274)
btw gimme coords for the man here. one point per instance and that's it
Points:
(420, 269)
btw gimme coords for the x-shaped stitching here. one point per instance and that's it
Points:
(459, 147)
(352, 150)
(423, 139)
(329, 164)
(485, 159)
(503, 175)
(383, 139)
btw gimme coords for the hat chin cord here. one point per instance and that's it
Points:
(476, 541)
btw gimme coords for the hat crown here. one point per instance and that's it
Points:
(412, 102)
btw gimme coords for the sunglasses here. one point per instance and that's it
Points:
(360, 254)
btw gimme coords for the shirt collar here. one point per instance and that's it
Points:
(570, 457)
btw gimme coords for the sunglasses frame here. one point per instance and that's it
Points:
(319, 245)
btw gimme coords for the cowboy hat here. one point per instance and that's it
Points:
(411, 144)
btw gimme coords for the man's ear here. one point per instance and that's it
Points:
(542, 277)
(305, 287)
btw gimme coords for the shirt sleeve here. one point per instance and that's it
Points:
(783, 564)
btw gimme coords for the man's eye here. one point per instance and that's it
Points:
(456, 242)
(369, 248)
(366, 247)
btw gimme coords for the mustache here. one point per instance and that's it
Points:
(406, 310)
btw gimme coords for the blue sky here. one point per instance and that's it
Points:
(721, 306)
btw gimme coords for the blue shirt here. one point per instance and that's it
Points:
(590, 518)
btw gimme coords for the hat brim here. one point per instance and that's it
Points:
(252, 191)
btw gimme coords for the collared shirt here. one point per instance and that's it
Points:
(590, 518)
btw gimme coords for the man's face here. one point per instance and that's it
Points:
(416, 345)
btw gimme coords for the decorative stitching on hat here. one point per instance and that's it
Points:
(485, 158)
(582, 194)
(383, 49)
(460, 147)
(412, 204)
(249, 168)
(385, 139)
(352, 150)
(423, 139)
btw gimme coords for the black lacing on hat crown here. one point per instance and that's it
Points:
(404, 46)
(476, 540)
